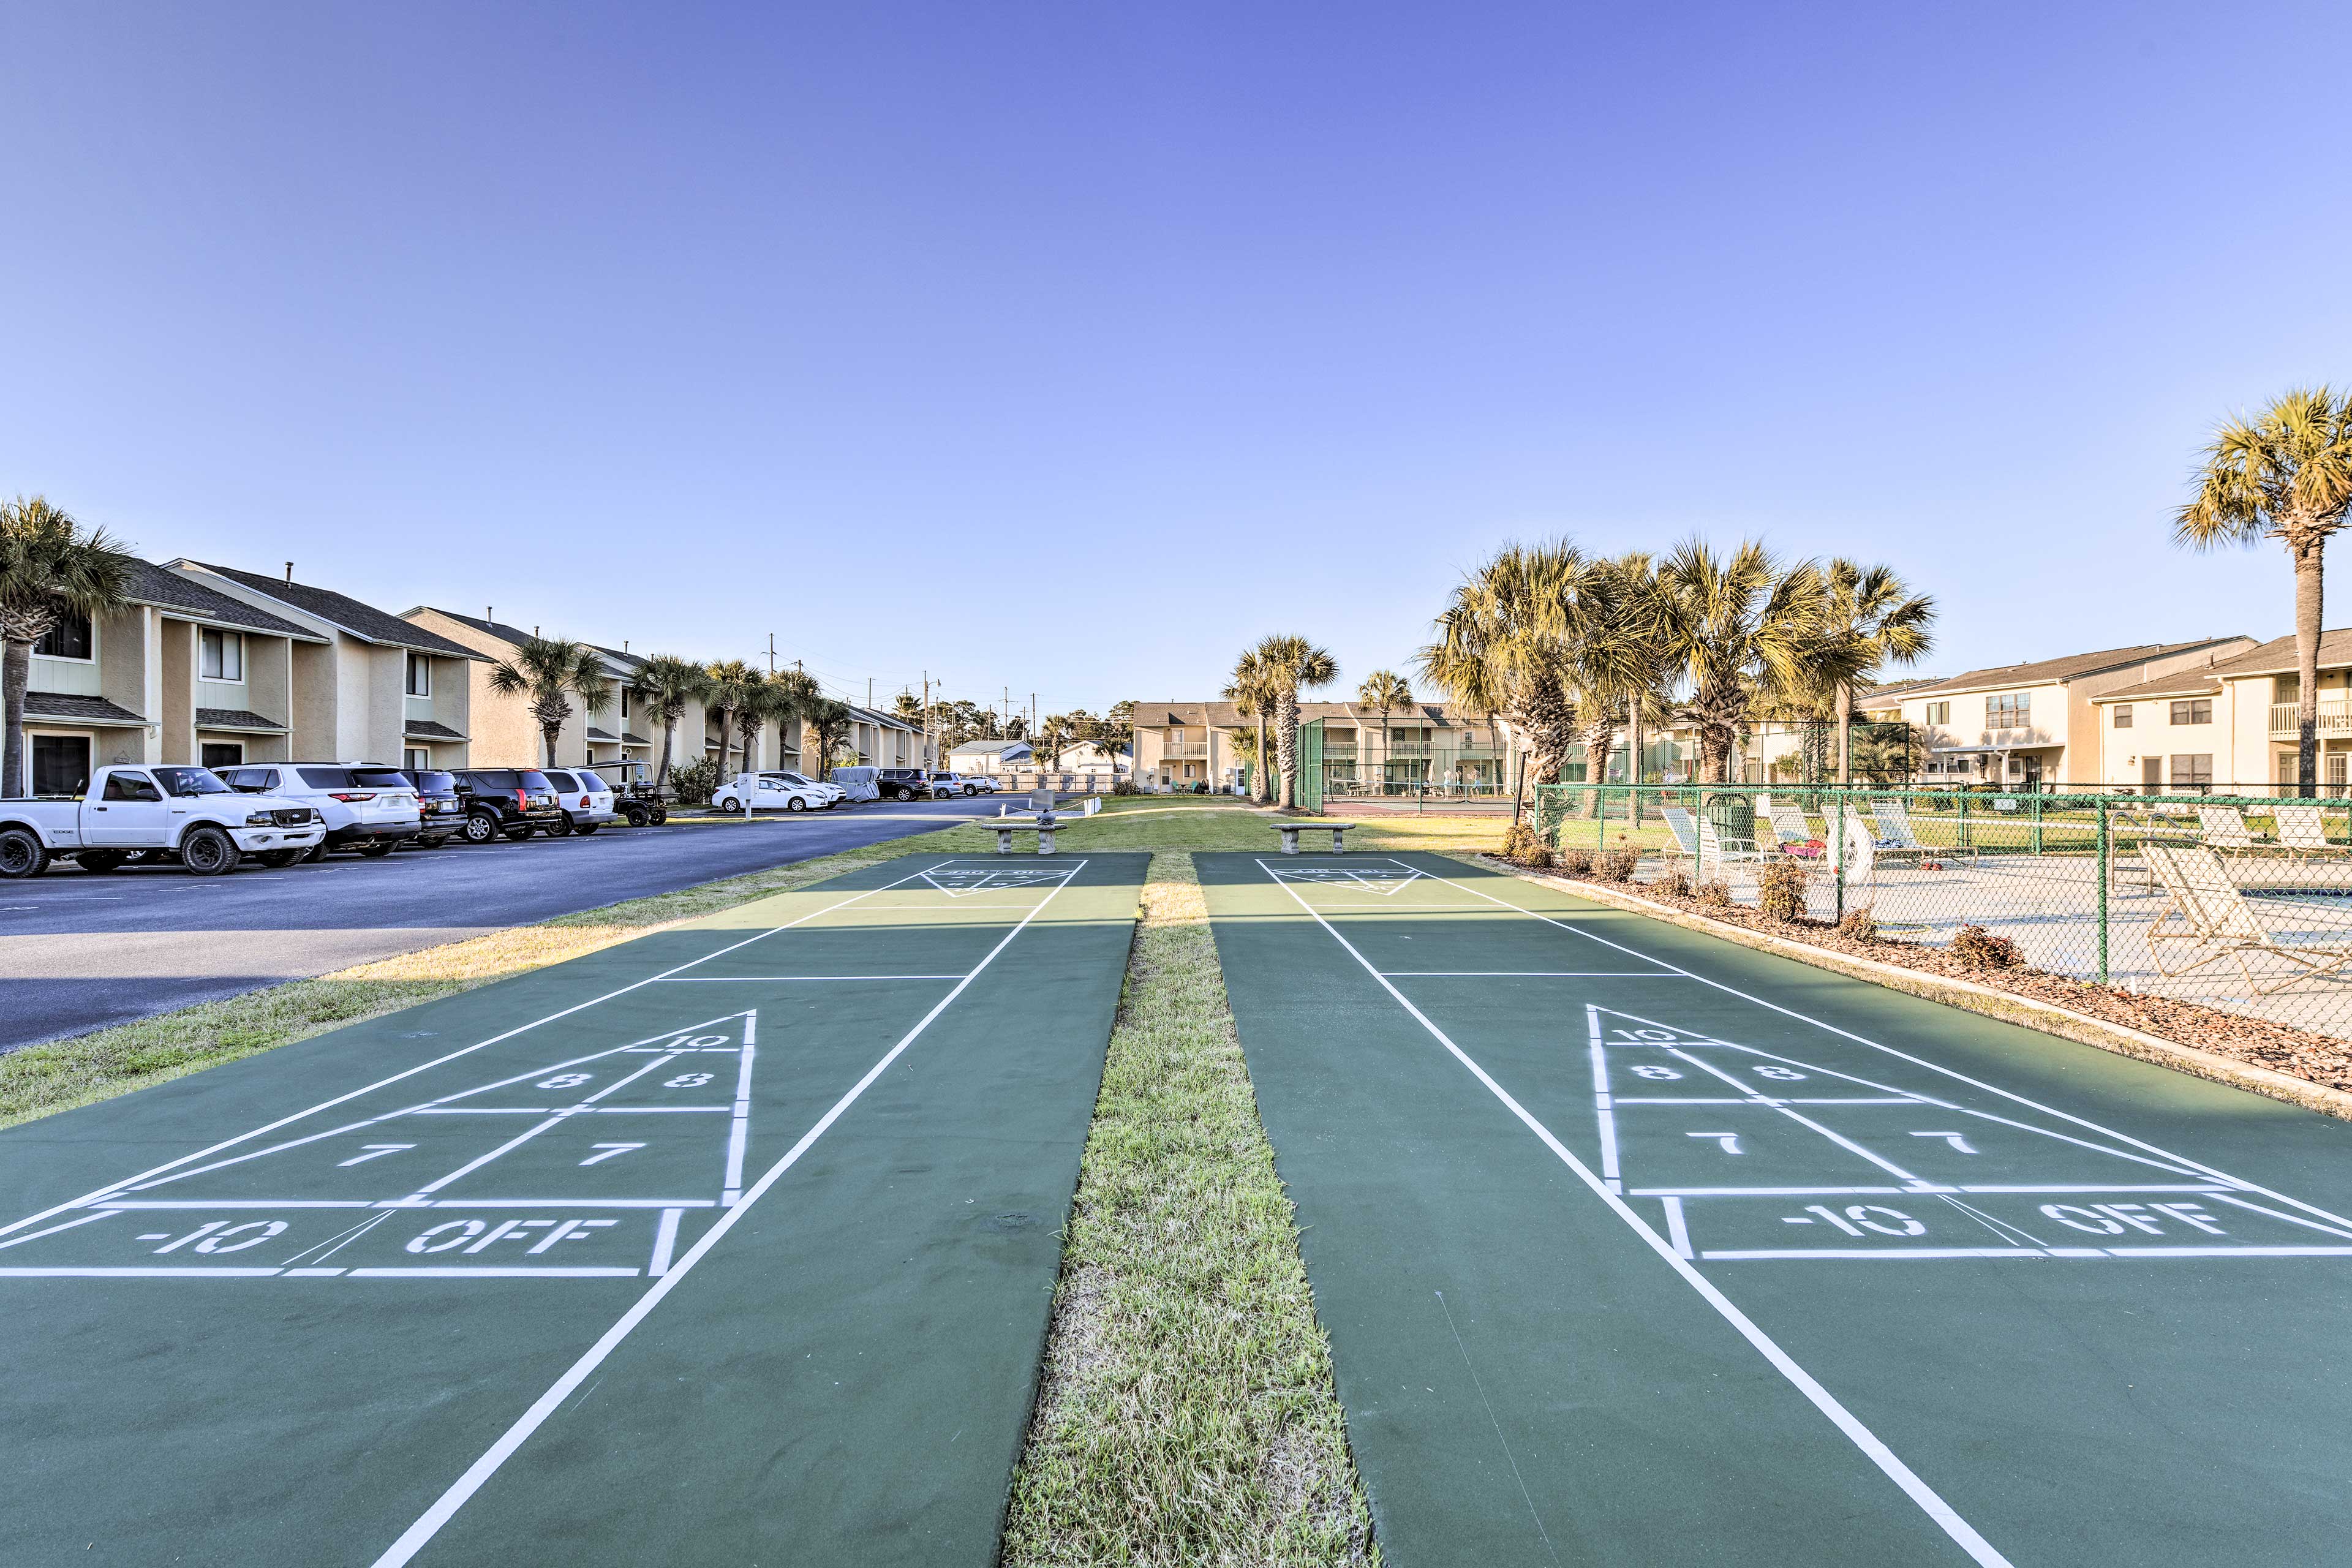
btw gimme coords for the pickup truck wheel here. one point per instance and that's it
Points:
(209, 852)
(22, 853)
(585, 828)
(316, 853)
(481, 827)
(278, 860)
(377, 850)
(99, 861)
(560, 827)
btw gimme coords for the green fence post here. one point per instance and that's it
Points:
(2037, 822)
(1834, 825)
(1963, 840)
(1600, 818)
(2104, 852)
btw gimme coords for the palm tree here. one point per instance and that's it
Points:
(732, 683)
(1384, 692)
(828, 722)
(1642, 621)
(1052, 736)
(668, 685)
(1251, 692)
(2285, 474)
(1730, 620)
(798, 695)
(764, 700)
(1870, 619)
(548, 672)
(1501, 649)
(50, 567)
(1292, 665)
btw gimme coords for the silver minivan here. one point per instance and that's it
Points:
(367, 809)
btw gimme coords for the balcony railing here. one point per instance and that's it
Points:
(1185, 749)
(2335, 718)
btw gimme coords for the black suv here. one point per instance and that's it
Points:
(902, 784)
(440, 807)
(516, 802)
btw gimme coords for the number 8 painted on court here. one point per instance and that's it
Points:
(688, 1081)
(566, 1080)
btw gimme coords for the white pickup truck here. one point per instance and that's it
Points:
(182, 813)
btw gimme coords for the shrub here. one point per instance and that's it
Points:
(1575, 862)
(1859, 925)
(1123, 786)
(1618, 865)
(1782, 892)
(693, 784)
(1980, 949)
(1525, 844)
(1716, 892)
(1675, 883)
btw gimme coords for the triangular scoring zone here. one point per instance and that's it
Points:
(963, 881)
(1382, 881)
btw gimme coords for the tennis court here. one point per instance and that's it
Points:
(1636, 1246)
(733, 1243)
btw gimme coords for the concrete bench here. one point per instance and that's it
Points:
(1290, 831)
(1006, 827)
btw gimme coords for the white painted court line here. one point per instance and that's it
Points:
(2162, 1153)
(1530, 974)
(789, 979)
(412, 1540)
(1948, 1519)
(288, 1120)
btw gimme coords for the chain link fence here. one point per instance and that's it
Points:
(2239, 903)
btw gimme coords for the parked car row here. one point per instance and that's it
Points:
(281, 813)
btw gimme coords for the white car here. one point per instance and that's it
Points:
(367, 809)
(586, 800)
(770, 792)
(831, 794)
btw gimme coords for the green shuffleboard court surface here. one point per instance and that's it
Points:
(1638, 1247)
(732, 1244)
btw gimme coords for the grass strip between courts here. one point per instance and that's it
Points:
(1185, 1412)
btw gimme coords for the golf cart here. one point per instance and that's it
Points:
(633, 792)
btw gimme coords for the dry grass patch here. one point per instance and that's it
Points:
(1186, 1411)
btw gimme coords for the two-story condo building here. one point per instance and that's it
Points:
(180, 673)
(2232, 726)
(607, 730)
(2025, 725)
(1181, 743)
(367, 686)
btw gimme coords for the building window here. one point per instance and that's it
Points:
(223, 754)
(2286, 687)
(1175, 737)
(60, 764)
(2123, 716)
(2010, 710)
(2192, 772)
(624, 705)
(1940, 713)
(69, 638)
(221, 655)
(420, 675)
(2197, 711)
(416, 759)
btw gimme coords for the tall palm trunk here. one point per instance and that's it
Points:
(1846, 732)
(2308, 560)
(1285, 740)
(1550, 723)
(1262, 790)
(669, 743)
(15, 675)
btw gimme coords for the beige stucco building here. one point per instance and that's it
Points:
(367, 686)
(2021, 725)
(2231, 727)
(180, 673)
(1178, 744)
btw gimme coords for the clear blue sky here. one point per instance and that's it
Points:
(1071, 347)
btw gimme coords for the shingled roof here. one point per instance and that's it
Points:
(341, 611)
(2069, 668)
(148, 584)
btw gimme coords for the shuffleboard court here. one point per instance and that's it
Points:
(735, 1243)
(1636, 1246)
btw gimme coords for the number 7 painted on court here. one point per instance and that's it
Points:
(610, 1151)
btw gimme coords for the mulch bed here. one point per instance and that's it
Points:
(2258, 1042)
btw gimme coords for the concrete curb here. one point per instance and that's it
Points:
(1989, 1000)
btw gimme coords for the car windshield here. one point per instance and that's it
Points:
(495, 779)
(563, 782)
(439, 783)
(538, 780)
(189, 781)
(592, 782)
(786, 778)
(381, 778)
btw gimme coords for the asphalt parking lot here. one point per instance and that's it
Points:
(79, 952)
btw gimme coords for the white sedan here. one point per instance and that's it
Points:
(775, 792)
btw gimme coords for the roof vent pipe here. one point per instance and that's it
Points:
(290, 571)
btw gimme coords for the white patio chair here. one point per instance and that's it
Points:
(2301, 830)
(1680, 822)
(2216, 921)
(1898, 840)
(2224, 827)
(1792, 832)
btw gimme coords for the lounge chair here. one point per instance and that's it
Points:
(2216, 921)
(1898, 840)
(2224, 827)
(1680, 822)
(2302, 831)
(1795, 836)
(1715, 849)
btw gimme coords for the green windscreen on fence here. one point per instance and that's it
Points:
(1310, 765)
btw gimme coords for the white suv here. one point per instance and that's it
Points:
(586, 800)
(367, 809)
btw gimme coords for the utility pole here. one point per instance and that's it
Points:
(869, 693)
(771, 653)
(927, 721)
(1004, 714)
